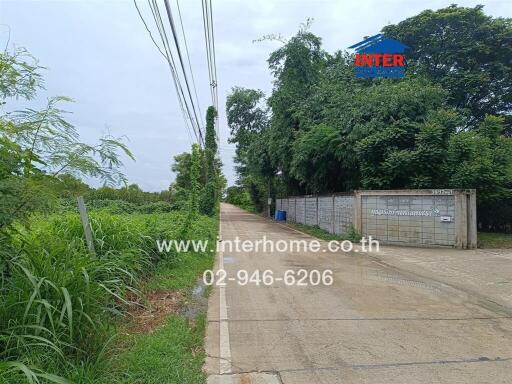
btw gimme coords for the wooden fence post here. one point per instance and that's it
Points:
(85, 223)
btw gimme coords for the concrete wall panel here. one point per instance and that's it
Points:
(412, 220)
(343, 213)
(325, 213)
(311, 211)
(300, 210)
(284, 205)
(290, 214)
(426, 217)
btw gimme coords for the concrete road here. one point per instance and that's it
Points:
(377, 323)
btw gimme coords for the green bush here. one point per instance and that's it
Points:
(118, 207)
(240, 197)
(208, 200)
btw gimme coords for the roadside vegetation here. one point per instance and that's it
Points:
(71, 315)
(494, 240)
(241, 198)
(163, 341)
(445, 125)
(316, 231)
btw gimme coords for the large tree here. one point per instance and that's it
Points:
(443, 125)
(465, 51)
(247, 118)
(296, 68)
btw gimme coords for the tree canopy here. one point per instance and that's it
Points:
(442, 126)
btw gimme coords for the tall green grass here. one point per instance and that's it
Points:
(58, 300)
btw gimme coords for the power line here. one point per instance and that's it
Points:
(186, 105)
(210, 56)
(177, 44)
(188, 58)
(177, 85)
(147, 29)
(214, 58)
(192, 117)
(207, 45)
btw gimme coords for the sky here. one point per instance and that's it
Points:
(99, 54)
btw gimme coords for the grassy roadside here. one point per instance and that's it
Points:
(102, 317)
(494, 240)
(172, 350)
(318, 232)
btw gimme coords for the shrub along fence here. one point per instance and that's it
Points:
(421, 217)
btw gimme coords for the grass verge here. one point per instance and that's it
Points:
(494, 240)
(318, 232)
(62, 307)
(172, 352)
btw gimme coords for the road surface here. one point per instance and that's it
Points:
(376, 323)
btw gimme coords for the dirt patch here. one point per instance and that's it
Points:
(157, 305)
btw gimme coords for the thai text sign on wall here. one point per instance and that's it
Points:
(404, 212)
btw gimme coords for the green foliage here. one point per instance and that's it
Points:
(247, 119)
(208, 200)
(466, 52)
(50, 144)
(240, 197)
(316, 158)
(131, 194)
(494, 240)
(443, 126)
(392, 142)
(210, 193)
(19, 75)
(117, 207)
(181, 168)
(59, 299)
(172, 354)
(199, 180)
(482, 159)
(210, 146)
(37, 147)
(195, 174)
(296, 67)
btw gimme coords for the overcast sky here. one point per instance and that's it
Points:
(99, 53)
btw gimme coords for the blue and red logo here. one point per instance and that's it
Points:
(379, 56)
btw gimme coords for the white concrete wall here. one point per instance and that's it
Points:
(311, 211)
(413, 220)
(290, 214)
(343, 213)
(427, 217)
(300, 210)
(326, 213)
